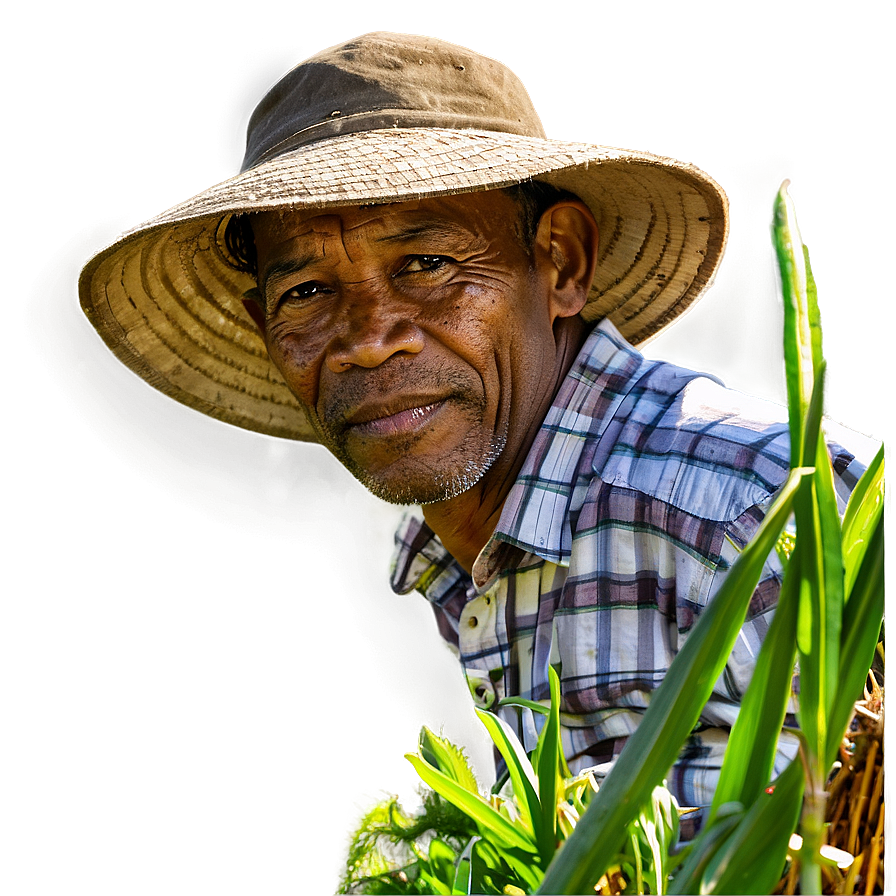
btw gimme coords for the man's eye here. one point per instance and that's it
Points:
(418, 263)
(303, 291)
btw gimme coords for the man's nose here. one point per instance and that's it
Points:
(372, 334)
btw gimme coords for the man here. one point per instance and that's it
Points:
(409, 273)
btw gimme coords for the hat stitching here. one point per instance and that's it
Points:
(203, 370)
(207, 346)
(238, 324)
(648, 275)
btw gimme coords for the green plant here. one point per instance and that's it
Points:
(506, 838)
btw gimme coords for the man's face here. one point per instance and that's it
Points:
(417, 336)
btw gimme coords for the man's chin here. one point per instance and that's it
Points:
(420, 490)
(409, 483)
(436, 464)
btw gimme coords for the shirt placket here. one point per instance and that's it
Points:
(480, 647)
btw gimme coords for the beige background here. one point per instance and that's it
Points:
(198, 694)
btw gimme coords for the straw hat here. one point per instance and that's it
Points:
(385, 118)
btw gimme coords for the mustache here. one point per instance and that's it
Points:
(392, 388)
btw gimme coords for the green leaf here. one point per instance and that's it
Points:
(659, 833)
(862, 512)
(817, 522)
(489, 872)
(813, 314)
(434, 884)
(481, 878)
(862, 619)
(462, 879)
(805, 510)
(752, 857)
(482, 812)
(674, 709)
(832, 568)
(821, 605)
(639, 863)
(821, 586)
(529, 704)
(448, 758)
(801, 346)
(548, 757)
(752, 744)
(703, 849)
(524, 867)
(522, 775)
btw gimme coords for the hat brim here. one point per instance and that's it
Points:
(167, 302)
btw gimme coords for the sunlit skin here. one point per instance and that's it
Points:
(425, 343)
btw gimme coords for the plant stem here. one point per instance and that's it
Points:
(812, 830)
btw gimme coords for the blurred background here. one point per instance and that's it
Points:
(205, 677)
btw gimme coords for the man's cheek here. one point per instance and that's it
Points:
(299, 364)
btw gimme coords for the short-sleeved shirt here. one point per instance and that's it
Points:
(643, 483)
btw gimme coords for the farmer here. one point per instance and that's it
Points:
(409, 273)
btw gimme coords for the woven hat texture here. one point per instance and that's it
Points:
(385, 118)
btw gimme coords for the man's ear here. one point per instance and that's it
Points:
(252, 303)
(566, 242)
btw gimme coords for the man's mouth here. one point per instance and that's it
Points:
(383, 422)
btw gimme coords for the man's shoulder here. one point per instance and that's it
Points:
(688, 441)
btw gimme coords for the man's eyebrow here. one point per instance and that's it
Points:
(286, 268)
(425, 228)
(289, 267)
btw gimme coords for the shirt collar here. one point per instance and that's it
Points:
(535, 517)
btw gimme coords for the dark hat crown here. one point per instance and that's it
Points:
(384, 80)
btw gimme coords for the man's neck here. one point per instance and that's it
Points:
(464, 524)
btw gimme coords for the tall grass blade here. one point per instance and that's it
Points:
(799, 344)
(674, 710)
(702, 851)
(819, 544)
(861, 627)
(813, 315)
(817, 529)
(805, 512)
(863, 558)
(547, 764)
(862, 512)
(832, 597)
(817, 526)
(752, 744)
(752, 858)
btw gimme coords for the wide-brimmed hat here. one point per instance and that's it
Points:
(385, 118)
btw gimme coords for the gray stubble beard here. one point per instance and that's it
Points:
(446, 483)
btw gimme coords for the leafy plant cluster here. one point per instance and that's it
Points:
(552, 832)
(467, 841)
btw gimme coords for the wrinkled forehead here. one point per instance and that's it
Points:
(468, 214)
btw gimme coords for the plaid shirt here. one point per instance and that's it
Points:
(643, 483)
